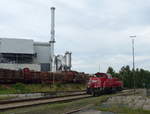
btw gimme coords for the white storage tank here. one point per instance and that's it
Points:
(60, 63)
(68, 60)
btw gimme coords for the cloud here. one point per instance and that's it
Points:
(96, 31)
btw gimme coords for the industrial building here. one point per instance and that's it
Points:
(38, 56)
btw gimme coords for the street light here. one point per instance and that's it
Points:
(99, 68)
(133, 61)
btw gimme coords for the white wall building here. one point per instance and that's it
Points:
(24, 53)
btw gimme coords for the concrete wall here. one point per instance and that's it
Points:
(35, 67)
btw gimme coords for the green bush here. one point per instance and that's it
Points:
(2, 88)
(20, 88)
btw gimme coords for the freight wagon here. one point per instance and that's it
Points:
(27, 76)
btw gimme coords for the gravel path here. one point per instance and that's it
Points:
(136, 102)
(93, 112)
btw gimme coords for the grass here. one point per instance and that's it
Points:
(28, 88)
(60, 108)
(124, 110)
(6, 97)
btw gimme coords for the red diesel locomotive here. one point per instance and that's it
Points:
(103, 83)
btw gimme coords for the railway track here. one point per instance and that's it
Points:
(29, 96)
(122, 93)
(13, 104)
(47, 96)
(5, 105)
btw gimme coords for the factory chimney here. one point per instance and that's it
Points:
(52, 24)
(52, 40)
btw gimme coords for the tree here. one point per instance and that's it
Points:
(127, 76)
(111, 71)
(141, 77)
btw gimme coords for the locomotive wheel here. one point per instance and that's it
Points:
(88, 90)
(119, 88)
(114, 90)
(93, 92)
(99, 91)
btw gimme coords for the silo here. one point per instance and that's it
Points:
(68, 60)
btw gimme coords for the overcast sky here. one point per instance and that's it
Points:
(95, 31)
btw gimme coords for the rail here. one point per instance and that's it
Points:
(5, 105)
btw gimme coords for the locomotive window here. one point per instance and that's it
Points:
(99, 75)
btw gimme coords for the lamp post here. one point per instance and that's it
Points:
(133, 61)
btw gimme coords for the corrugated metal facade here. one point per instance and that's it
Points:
(20, 46)
(42, 51)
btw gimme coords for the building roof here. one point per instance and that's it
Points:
(41, 44)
